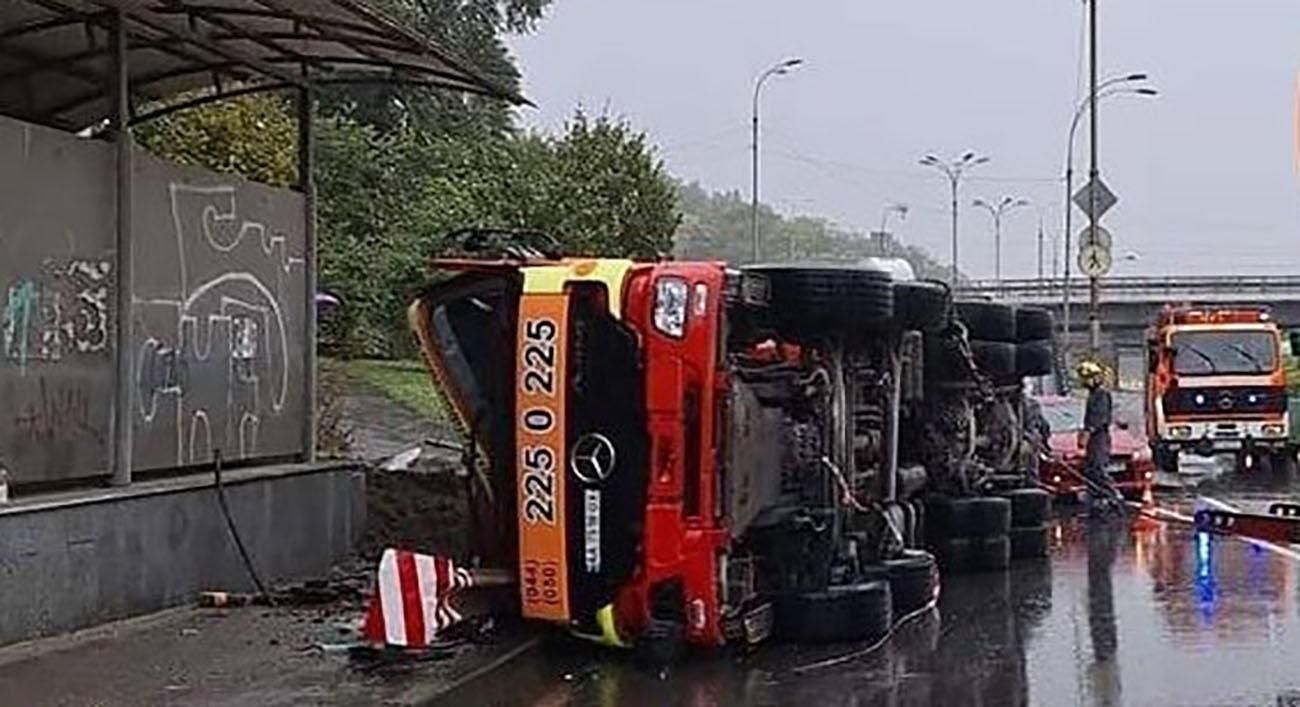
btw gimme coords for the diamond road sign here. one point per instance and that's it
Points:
(1105, 198)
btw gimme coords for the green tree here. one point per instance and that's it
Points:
(254, 136)
(719, 225)
(471, 31)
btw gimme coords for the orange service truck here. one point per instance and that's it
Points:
(1216, 384)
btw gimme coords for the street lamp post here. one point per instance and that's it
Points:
(997, 211)
(1079, 112)
(953, 170)
(780, 69)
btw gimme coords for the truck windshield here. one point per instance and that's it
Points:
(1200, 353)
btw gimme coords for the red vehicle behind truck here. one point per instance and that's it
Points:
(677, 453)
(1216, 383)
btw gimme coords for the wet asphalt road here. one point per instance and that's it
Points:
(1124, 613)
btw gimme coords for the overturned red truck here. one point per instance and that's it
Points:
(673, 453)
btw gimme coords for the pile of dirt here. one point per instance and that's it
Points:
(425, 509)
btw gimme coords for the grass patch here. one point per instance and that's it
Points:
(406, 383)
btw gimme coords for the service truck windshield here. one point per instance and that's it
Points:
(1202, 353)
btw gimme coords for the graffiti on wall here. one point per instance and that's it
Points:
(63, 311)
(213, 360)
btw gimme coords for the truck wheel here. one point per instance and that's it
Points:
(1165, 459)
(856, 612)
(922, 305)
(1030, 542)
(1034, 324)
(948, 517)
(1034, 358)
(913, 581)
(994, 358)
(1282, 464)
(992, 553)
(810, 302)
(991, 517)
(989, 321)
(1029, 507)
(955, 555)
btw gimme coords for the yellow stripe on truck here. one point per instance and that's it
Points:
(552, 279)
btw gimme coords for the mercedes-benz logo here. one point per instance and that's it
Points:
(1225, 401)
(593, 457)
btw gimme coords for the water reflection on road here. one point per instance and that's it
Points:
(1123, 614)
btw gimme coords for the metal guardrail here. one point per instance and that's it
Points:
(1135, 289)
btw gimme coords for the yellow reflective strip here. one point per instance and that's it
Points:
(608, 632)
(551, 279)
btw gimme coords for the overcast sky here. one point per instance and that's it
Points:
(1205, 172)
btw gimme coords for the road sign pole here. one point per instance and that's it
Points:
(1094, 321)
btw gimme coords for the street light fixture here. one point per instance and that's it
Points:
(779, 69)
(1003, 207)
(1106, 89)
(953, 170)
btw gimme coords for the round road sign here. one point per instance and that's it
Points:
(1095, 234)
(1094, 260)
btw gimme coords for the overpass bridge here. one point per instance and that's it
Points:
(1129, 304)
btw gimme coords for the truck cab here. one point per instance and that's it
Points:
(1216, 383)
(672, 453)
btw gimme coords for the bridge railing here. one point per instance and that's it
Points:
(1170, 288)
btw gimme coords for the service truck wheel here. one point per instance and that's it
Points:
(996, 359)
(989, 321)
(1034, 324)
(922, 305)
(813, 302)
(1034, 358)
(1165, 459)
(856, 612)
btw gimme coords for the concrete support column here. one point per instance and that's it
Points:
(307, 184)
(123, 385)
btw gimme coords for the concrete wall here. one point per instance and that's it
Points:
(218, 309)
(72, 563)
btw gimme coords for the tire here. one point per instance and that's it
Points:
(922, 305)
(989, 321)
(913, 581)
(1029, 507)
(1034, 358)
(1034, 324)
(812, 301)
(994, 358)
(857, 612)
(992, 553)
(1030, 542)
(955, 555)
(991, 517)
(1166, 459)
(944, 362)
(948, 517)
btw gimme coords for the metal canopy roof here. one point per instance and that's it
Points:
(56, 57)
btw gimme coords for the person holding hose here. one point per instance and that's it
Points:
(1094, 438)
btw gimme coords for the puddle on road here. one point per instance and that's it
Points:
(1120, 615)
